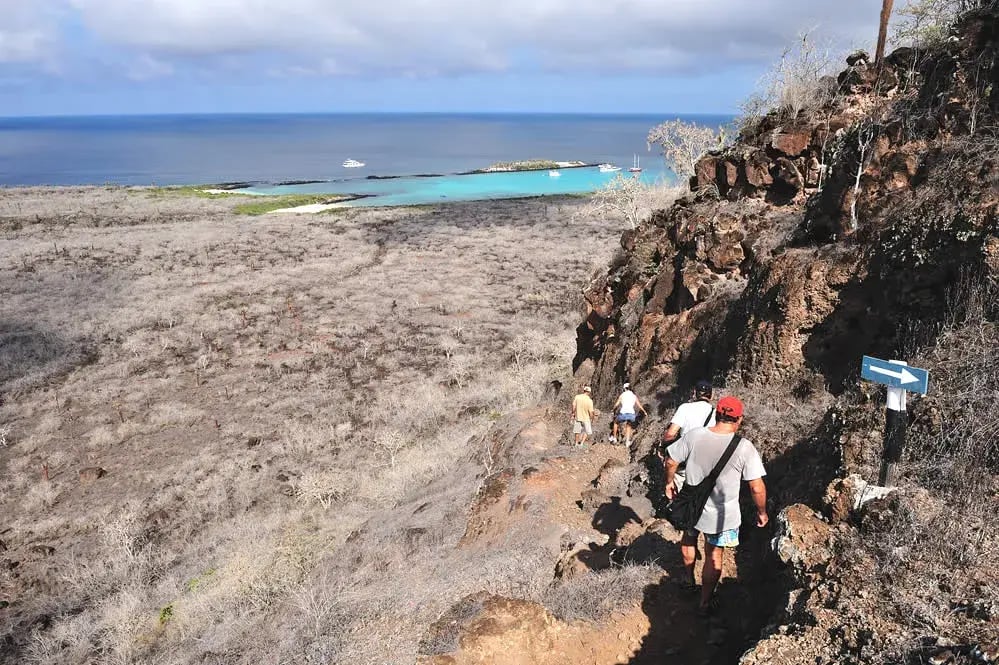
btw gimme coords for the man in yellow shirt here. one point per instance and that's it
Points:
(582, 416)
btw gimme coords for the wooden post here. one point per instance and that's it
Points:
(896, 421)
(886, 7)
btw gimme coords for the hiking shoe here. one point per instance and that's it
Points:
(627, 444)
(705, 611)
(612, 439)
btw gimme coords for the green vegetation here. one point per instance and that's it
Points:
(198, 191)
(194, 583)
(525, 165)
(264, 204)
(166, 613)
(250, 204)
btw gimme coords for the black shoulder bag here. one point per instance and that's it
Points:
(686, 507)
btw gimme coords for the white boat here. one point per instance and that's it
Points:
(554, 173)
(637, 168)
(609, 168)
(352, 164)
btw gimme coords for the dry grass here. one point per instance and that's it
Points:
(593, 596)
(283, 406)
(932, 545)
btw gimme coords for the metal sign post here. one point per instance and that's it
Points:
(899, 377)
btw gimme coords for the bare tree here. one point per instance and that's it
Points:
(632, 198)
(865, 138)
(886, 7)
(682, 143)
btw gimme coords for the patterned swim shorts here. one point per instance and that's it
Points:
(728, 538)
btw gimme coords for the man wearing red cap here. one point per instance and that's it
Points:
(721, 518)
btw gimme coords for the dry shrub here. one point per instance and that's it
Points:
(70, 639)
(123, 622)
(41, 496)
(47, 424)
(101, 436)
(958, 445)
(594, 596)
(683, 143)
(126, 556)
(271, 561)
(927, 23)
(634, 199)
(170, 414)
(798, 81)
(325, 487)
(307, 440)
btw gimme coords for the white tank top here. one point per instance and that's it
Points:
(628, 400)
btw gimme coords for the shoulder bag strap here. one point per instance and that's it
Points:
(710, 413)
(726, 456)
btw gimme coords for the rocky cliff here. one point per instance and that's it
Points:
(869, 225)
(866, 226)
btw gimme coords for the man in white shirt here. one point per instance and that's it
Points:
(720, 521)
(625, 410)
(693, 415)
(698, 412)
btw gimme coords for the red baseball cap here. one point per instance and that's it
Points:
(730, 406)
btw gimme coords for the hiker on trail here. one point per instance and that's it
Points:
(625, 410)
(582, 416)
(698, 412)
(695, 414)
(720, 521)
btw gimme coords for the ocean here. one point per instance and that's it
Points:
(271, 150)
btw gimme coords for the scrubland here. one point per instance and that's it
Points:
(285, 408)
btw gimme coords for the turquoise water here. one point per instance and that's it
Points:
(438, 189)
(265, 150)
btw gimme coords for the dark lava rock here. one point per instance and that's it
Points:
(92, 473)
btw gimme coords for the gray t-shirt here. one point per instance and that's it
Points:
(701, 450)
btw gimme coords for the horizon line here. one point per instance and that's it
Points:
(167, 114)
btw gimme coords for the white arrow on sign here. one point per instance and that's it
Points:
(905, 376)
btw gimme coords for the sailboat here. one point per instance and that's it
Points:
(637, 168)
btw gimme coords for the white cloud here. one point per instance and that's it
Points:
(439, 37)
(28, 32)
(147, 68)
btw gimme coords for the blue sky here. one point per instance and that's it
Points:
(67, 57)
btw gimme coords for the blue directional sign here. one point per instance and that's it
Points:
(895, 375)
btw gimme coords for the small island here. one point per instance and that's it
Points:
(529, 165)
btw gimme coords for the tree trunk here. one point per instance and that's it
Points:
(886, 7)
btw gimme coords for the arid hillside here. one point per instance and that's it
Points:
(234, 439)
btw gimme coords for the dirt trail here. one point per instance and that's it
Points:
(583, 495)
